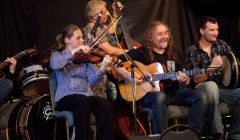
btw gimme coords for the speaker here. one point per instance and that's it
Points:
(179, 132)
(148, 137)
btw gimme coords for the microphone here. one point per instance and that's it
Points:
(96, 25)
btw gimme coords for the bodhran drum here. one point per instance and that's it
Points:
(34, 80)
(27, 119)
(230, 74)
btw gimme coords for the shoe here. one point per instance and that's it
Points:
(218, 136)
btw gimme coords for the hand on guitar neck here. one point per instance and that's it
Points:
(13, 60)
(13, 64)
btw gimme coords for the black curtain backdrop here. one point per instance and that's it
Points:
(28, 23)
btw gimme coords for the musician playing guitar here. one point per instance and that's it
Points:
(6, 85)
(209, 52)
(156, 49)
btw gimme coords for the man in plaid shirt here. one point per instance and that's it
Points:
(208, 52)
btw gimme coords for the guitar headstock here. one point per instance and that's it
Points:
(30, 52)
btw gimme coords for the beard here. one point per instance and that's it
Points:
(164, 43)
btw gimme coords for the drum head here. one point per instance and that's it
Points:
(34, 80)
(36, 122)
(227, 71)
(230, 75)
(28, 119)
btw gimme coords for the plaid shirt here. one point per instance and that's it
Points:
(198, 58)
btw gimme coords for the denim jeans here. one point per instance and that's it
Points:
(193, 99)
(157, 101)
(211, 99)
(6, 87)
(232, 96)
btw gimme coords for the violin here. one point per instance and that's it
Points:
(93, 57)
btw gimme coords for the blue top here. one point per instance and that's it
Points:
(73, 78)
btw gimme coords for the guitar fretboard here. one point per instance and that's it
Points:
(158, 77)
(5, 63)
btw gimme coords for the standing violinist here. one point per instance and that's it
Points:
(74, 80)
(94, 10)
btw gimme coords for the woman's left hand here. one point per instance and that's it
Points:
(119, 5)
(107, 60)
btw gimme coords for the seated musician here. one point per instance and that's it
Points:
(157, 48)
(74, 80)
(6, 85)
(208, 52)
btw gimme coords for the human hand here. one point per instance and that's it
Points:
(120, 7)
(182, 78)
(85, 49)
(107, 60)
(216, 61)
(13, 63)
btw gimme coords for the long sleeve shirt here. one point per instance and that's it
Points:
(73, 78)
(198, 58)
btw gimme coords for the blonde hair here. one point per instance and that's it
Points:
(93, 8)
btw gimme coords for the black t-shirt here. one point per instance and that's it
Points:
(141, 55)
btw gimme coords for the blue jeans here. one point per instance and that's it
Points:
(211, 99)
(6, 87)
(157, 101)
(232, 96)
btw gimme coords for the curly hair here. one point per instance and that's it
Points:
(147, 42)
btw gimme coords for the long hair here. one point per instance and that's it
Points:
(93, 8)
(147, 42)
(67, 32)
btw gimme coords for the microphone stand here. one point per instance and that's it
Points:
(145, 77)
(134, 65)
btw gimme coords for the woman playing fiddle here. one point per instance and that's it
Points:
(74, 80)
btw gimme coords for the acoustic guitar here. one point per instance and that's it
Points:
(17, 56)
(156, 73)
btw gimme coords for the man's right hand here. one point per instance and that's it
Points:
(216, 61)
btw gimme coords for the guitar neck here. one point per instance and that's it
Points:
(126, 34)
(5, 63)
(125, 30)
(159, 77)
